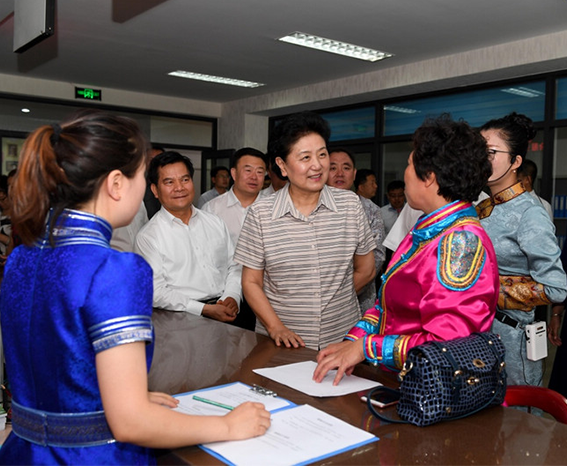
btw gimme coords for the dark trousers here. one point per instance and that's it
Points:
(246, 318)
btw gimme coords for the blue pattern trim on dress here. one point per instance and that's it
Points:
(119, 331)
(68, 430)
(460, 260)
(388, 343)
(367, 326)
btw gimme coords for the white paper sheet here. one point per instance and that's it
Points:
(299, 376)
(298, 435)
(231, 394)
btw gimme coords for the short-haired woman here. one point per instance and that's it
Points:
(307, 249)
(442, 281)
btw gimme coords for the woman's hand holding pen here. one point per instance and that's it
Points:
(247, 420)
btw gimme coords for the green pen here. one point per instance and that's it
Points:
(211, 402)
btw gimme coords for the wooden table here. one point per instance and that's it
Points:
(194, 352)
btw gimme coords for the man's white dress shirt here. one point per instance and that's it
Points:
(191, 263)
(546, 205)
(406, 221)
(207, 196)
(389, 215)
(230, 210)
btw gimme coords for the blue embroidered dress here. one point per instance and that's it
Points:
(60, 305)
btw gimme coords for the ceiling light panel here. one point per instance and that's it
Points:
(523, 92)
(214, 79)
(394, 108)
(334, 46)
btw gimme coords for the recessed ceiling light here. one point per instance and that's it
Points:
(523, 92)
(26, 110)
(394, 108)
(334, 46)
(214, 79)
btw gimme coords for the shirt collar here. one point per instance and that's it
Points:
(233, 200)
(169, 217)
(430, 225)
(283, 203)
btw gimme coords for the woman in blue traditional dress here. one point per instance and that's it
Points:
(76, 315)
(524, 240)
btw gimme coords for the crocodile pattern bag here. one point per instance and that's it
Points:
(451, 379)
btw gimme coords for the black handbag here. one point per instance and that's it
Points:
(449, 380)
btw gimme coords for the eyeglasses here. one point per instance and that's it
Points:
(492, 153)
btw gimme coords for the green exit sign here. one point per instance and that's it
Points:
(87, 93)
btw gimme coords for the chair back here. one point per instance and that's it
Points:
(543, 398)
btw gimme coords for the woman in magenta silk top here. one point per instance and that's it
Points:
(442, 282)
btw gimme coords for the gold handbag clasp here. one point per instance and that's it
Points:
(405, 370)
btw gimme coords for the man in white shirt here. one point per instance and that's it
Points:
(341, 175)
(397, 198)
(277, 180)
(220, 180)
(248, 168)
(365, 184)
(190, 251)
(527, 174)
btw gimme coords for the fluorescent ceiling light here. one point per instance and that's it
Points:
(523, 92)
(25, 110)
(214, 79)
(334, 46)
(394, 108)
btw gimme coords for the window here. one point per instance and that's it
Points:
(561, 99)
(475, 107)
(345, 125)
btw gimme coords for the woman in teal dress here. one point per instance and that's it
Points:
(76, 315)
(524, 240)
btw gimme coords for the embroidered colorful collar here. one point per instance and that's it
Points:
(485, 208)
(440, 214)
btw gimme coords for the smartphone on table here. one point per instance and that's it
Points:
(382, 399)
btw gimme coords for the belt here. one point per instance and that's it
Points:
(505, 319)
(60, 429)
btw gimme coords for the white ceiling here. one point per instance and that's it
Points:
(133, 44)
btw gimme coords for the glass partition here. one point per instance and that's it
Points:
(559, 203)
(475, 107)
(561, 107)
(359, 123)
(394, 164)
